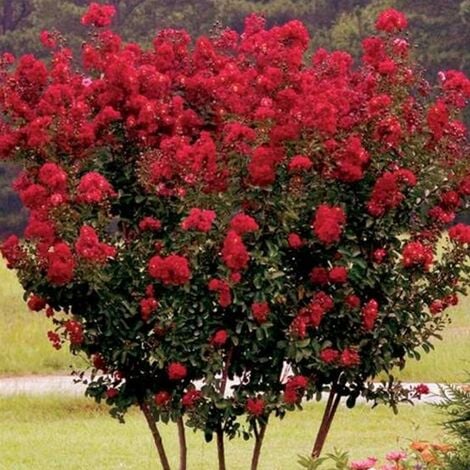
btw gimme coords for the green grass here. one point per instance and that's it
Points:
(23, 334)
(58, 433)
(26, 350)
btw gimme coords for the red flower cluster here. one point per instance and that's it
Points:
(199, 219)
(99, 15)
(338, 275)
(223, 290)
(220, 338)
(255, 406)
(347, 358)
(386, 194)
(295, 241)
(190, 398)
(391, 21)
(328, 223)
(299, 164)
(91, 249)
(295, 388)
(177, 371)
(162, 399)
(61, 264)
(150, 224)
(36, 303)
(74, 331)
(370, 312)
(417, 254)
(94, 188)
(147, 307)
(460, 233)
(260, 311)
(12, 251)
(234, 252)
(242, 223)
(171, 271)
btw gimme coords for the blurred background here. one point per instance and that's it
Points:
(439, 29)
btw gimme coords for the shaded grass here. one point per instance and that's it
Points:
(57, 433)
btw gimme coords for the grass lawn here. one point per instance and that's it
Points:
(57, 433)
(26, 350)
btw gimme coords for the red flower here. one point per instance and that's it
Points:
(61, 264)
(53, 177)
(329, 355)
(150, 224)
(338, 275)
(350, 358)
(421, 389)
(36, 303)
(379, 255)
(147, 307)
(90, 248)
(234, 253)
(54, 338)
(391, 21)
(162, 399)
(223, 289)
(199, 219)
(319, 276)
(328, 223)
(75, 332)
(300, 163)
(171, 271)
(177, 371)
(295, 242)
(48, 39)
(255, 406)
(417, 254)
(112, 393)
(460, 233)
(260, 311)
(352, 301)
(220, 338)
(94, 188)
(190, 398)
(99, 362)
(99, 15)
(242, 223)
(294, 388)
(12, 251)
(370, 311)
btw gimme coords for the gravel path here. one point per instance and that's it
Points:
(64, 384)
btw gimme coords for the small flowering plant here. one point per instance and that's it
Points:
(230, 208)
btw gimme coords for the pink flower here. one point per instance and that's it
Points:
(396, 456)
(365, 464)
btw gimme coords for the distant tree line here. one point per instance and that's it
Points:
(441, 29)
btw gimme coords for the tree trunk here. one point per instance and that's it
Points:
(221, 448)
(328, 416)
(182, 442)
(258, 445)
(157, 438)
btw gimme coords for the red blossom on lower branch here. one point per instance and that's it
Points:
(255, 406)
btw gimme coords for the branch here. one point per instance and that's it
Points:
(157, 438)
(182, 442)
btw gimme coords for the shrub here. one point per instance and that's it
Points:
(232, 209)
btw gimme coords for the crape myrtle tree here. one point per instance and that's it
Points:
(227, 227)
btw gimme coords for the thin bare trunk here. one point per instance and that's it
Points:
(221, 448)
(157, 438)
(258, 444)
(182, 442)
(328, 416)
